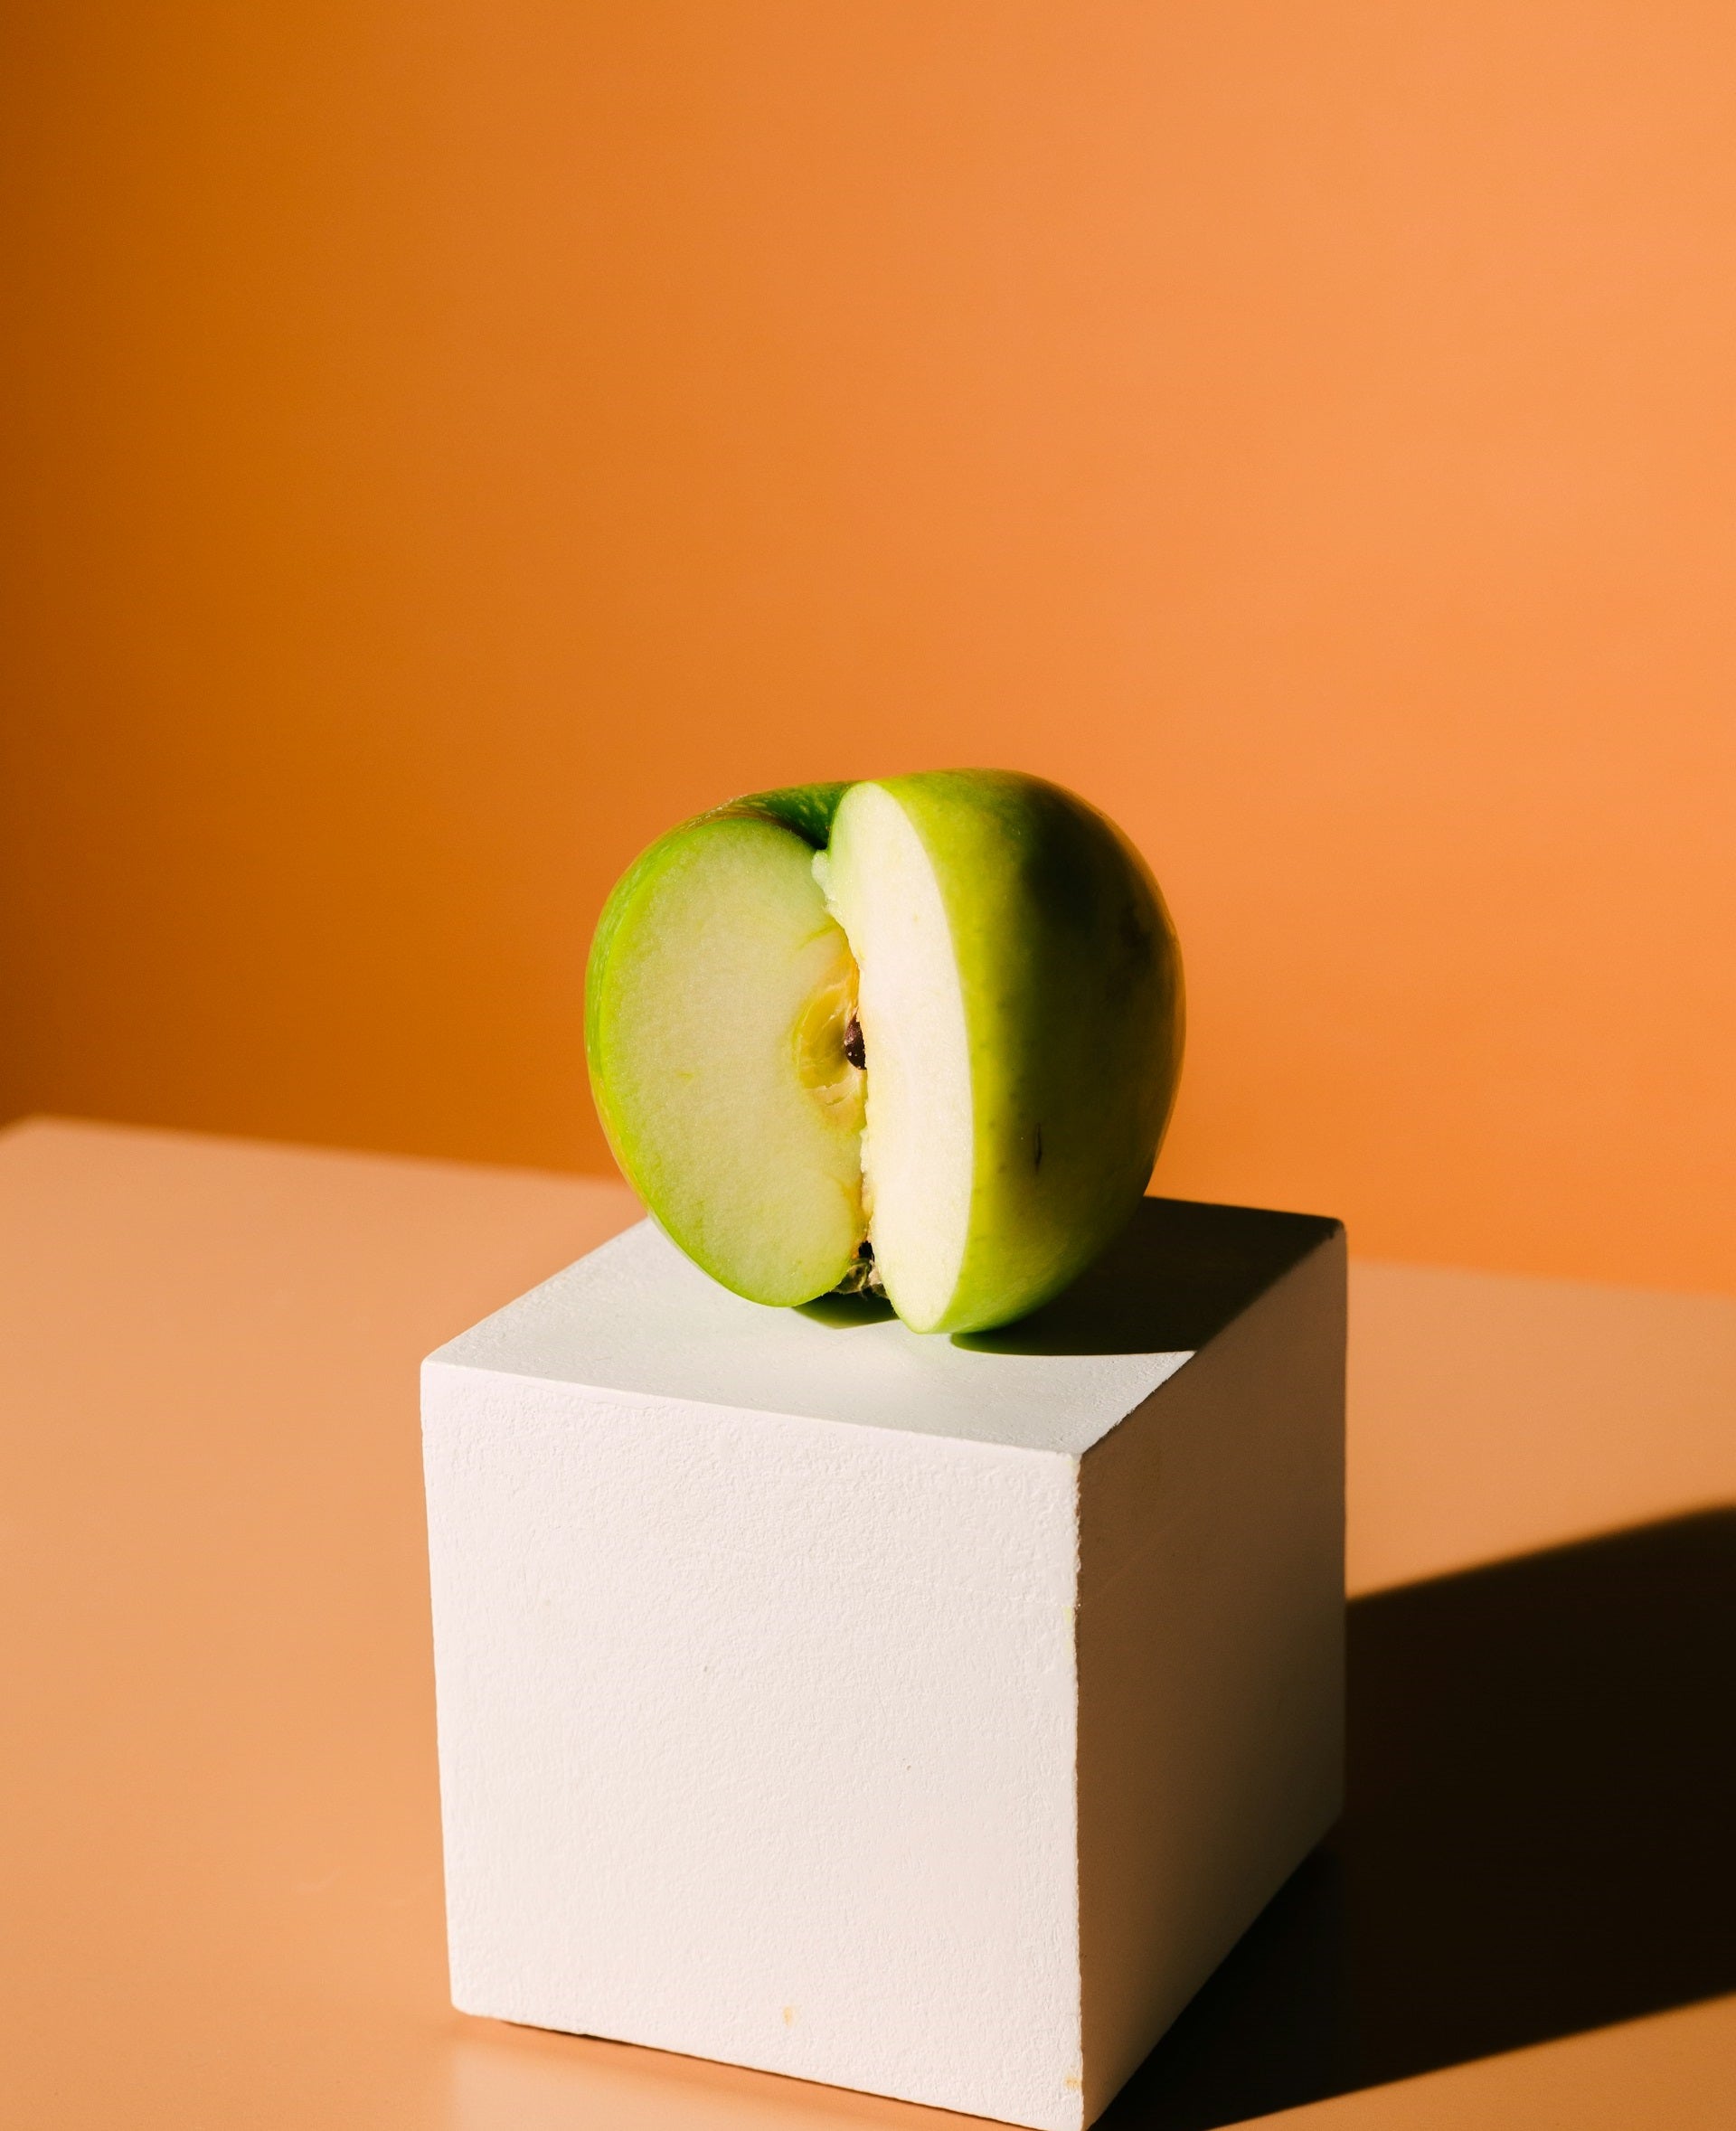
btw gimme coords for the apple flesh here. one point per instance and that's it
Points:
(718, 1002)
(929, 1026)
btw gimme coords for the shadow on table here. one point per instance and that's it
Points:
(1537, 1839)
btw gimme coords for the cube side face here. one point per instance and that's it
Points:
(758, 1737)
(1211, 1655)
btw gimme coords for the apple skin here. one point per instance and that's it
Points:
(1074, 1016)
(808, 809)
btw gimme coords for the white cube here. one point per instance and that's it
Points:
(911, 1714)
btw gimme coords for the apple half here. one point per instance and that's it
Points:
(922, 1032)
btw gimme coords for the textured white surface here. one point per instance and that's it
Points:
(937, 1740)
(638, 1316)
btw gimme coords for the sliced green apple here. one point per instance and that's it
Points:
(996, 953)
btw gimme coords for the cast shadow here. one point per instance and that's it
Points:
(844, 1313)
(1176, 1275)
(1537, 1837)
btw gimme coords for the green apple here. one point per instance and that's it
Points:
(924, 1031)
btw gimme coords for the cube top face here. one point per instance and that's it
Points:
(636, 1318)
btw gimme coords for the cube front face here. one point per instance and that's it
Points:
(758, 1737)
(893, 1757)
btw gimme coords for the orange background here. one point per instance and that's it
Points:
(451, 442)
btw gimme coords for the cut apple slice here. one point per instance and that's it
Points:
(1020, 1009)
(718, 1006)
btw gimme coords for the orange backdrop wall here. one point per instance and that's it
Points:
(450, 442)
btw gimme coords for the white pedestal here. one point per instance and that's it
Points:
(867, 1707)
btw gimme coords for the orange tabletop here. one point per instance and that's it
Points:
(220, 1821)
